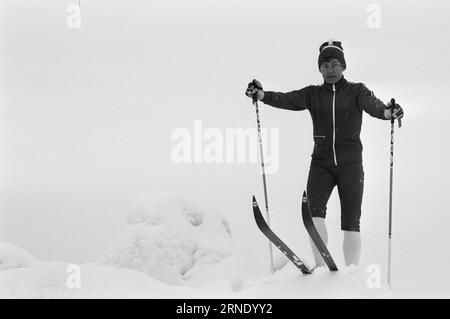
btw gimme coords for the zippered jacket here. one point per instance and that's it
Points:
(336, 111)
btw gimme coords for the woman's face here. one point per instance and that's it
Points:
(331, 70)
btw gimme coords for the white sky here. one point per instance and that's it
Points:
(86, 114)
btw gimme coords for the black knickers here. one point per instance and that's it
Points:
(349, 179)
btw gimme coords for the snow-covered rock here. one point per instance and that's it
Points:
(177, 241)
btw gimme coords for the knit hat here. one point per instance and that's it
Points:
(332, 49)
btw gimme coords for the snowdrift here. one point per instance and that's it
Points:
(12, 256)
(53, 280)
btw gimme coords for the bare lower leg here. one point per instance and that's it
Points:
(322, 229)
(352, 247)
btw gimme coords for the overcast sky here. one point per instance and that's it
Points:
(86, 114)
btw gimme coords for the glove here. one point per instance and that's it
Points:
(255, 90)
(395, 111)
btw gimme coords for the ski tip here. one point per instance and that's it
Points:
(304, 196)
(254, 201)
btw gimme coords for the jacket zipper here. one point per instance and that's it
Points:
(334, 125)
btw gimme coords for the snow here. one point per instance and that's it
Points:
(49, 280)
(15, 257)
(169, 246)
(172, 247)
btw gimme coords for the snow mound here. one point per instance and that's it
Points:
(51, 280)
(174, 240)
(12, 256)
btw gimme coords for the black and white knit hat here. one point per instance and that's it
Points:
(332, 49)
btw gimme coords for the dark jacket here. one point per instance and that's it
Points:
(336, 112)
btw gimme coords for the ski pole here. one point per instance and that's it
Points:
(255, 102)
(390, 194)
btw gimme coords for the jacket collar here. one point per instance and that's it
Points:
(338, 85)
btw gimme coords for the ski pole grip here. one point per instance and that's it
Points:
(392, 119)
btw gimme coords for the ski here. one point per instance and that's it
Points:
(313, 233)
(265, 229)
